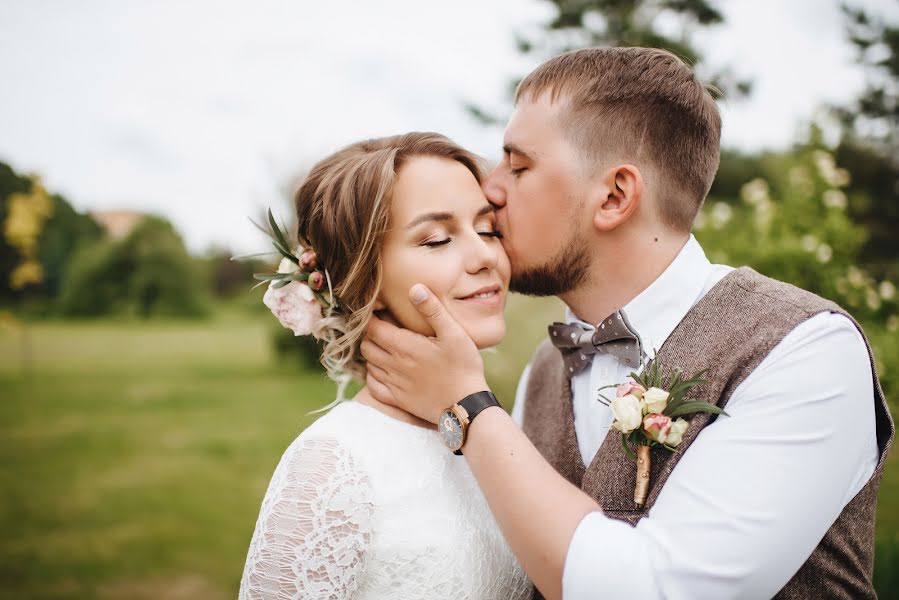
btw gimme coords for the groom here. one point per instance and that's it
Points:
(607, 159)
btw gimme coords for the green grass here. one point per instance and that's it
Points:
(134, 456)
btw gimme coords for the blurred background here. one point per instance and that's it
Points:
(146, 394)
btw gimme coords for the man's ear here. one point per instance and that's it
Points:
(621, 192)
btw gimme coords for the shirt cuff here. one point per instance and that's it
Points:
(606, 558)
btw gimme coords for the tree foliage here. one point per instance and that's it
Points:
(145, 274)
(793, 224)
(60, 234)
(869, 147)
(667, 24)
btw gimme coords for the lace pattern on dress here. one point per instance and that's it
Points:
(314, 527)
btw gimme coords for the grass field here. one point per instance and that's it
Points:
(133, 456)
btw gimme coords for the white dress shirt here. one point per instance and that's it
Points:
(756, 491)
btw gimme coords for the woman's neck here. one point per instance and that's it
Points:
(364, 397)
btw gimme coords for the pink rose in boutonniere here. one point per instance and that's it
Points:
(657, 427)
(646, 411)
(630, 387)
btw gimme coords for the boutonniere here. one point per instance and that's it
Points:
(649, 413)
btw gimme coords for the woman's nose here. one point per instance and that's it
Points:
(484, 254)
(492, 186)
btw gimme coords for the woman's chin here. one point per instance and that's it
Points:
(487, 335)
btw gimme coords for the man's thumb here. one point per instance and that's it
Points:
(432, 310)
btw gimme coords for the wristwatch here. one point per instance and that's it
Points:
(455, 420)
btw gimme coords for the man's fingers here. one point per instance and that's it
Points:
(433, 311)
(389, 337)
(374, 354)
(379, 392)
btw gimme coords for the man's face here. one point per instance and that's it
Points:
(539, 193)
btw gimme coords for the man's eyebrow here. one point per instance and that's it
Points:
(510, 148)
(445, 216)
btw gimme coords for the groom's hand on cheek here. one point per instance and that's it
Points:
(422, 375)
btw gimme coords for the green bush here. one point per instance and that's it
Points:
(304, 350)
(148, 273)
(793, 225)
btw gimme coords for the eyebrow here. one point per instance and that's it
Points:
(445, 216)
(510, 148)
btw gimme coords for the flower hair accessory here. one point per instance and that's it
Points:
(296, 293)
(647, 414)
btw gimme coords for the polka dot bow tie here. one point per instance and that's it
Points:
(613, 335)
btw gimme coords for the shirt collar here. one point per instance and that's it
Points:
(657, 310)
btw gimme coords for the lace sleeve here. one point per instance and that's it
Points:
(313, 528)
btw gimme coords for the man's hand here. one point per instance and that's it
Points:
(422, 375)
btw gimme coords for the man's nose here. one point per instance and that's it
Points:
(493, 189)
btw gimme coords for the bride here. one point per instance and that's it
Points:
(369, 502)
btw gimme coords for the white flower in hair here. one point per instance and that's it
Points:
(295, 304)
(297, 292)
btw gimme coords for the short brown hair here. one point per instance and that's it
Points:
(343, 214)
(639, 104)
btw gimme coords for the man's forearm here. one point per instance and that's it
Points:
(536, 508)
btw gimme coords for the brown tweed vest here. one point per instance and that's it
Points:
(728, 332)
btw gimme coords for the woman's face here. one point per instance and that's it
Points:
(442, 234)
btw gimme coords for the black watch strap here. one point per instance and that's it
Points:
(474, 404)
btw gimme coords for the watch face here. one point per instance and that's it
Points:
(450, 430)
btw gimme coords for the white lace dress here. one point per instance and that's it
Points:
(364, 506)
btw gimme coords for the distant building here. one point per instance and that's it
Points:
(116, 223)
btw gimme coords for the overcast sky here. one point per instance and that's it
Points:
(202, 110)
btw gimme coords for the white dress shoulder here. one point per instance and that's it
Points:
(365, 506)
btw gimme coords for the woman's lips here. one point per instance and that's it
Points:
(487, 296)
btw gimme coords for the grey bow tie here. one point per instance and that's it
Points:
(613, 335)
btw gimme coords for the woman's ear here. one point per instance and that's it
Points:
(622, 190)
(379, 304)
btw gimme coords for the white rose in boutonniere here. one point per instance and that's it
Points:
(655, 399)
(676, 434)
(628, 412)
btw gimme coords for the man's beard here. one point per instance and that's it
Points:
(558, 275)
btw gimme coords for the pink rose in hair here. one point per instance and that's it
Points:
(630, 387)
(316, 280)
(657, 427)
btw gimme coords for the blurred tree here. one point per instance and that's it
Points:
(666, 24)
(60, 234)
(869, 147)
(26, 213)
(229, 277)
(793, 224)
(148, 273)
(10, 183)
